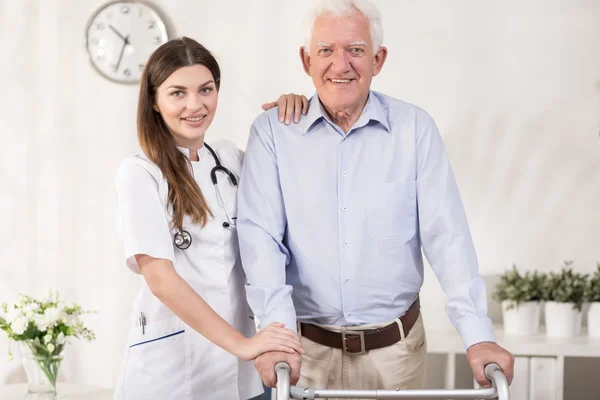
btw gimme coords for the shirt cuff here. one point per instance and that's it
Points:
(284, 315)
(476, 330)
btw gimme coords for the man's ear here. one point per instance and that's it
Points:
(305, 57)
(379, 60)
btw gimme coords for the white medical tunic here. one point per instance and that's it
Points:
(168, 359)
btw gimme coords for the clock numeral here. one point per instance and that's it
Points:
(94, 42)
(125, 9)
(156, 39)
(127, 72)
(100, 26)
(151, 24)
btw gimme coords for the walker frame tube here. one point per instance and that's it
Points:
(493, 372)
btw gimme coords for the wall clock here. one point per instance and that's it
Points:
(121, 36)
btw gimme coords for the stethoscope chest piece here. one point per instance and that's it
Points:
(182, 240)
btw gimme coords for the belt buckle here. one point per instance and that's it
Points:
(361, 335)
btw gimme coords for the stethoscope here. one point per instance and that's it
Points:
(183, 239)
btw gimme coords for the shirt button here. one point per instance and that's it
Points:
(344, 208)
(345, 243)
(344, 174)
(346, 280)
(349, 314)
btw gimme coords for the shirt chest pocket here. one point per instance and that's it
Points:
(391, 211)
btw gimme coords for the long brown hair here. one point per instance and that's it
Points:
(154, 136)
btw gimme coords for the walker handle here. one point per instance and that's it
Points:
(282, 371)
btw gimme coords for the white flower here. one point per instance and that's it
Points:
(31, 307)
(61, 339)
(54, 315)
(12, 314)
(50, 347)
(19, 325)
(42, 321)
(70, 320)
(52, 297)
(47, 339)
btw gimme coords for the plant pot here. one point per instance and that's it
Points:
(593, 320)
(41, 371)
(522, 319)
(562, 319)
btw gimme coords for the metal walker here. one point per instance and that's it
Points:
(493, 372)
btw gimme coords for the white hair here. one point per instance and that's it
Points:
(344, 8)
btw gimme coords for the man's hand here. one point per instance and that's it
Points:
(265, 365)
(481, 354)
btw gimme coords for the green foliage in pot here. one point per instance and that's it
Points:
(592, 293)
(566, 287)
(517, 288)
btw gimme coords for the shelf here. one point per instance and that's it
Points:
(448, 341)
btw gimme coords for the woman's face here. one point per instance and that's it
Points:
(187, 101)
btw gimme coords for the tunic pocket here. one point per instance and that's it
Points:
(158, 360)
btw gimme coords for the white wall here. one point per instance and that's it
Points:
(513, 86)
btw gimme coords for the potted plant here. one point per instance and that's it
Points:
(42, 327)
(593, 298)
(520, 297)
(564, 294)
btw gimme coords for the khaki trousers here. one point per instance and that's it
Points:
(399, 366)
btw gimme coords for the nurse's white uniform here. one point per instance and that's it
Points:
(170, 360)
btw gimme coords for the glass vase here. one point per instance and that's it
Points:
(41, 368)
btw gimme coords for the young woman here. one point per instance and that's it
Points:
(192, 332)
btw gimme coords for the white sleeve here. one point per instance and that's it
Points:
(142, 220)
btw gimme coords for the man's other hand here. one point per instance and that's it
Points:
(481, 354)
(265, 365)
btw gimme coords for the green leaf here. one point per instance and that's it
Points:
(518, 288)
(566, 287)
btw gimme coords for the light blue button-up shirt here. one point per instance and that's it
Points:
(331, 225)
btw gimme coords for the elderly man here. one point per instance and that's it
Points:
(334, 211)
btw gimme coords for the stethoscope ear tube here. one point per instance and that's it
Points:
(213, 175)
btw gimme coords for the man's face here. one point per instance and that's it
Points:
(342, 61)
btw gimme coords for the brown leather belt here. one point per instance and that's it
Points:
(359, 342)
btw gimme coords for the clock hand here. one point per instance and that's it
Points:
(117, 32)
(125, 43)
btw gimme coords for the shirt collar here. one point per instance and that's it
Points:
(373, 111)
(186, 151)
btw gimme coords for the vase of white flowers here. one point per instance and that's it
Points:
(42, 327)
(41, 370)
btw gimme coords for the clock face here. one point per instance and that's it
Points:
(120, 38)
